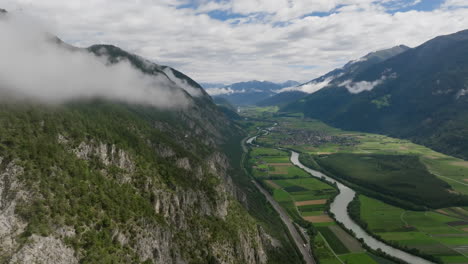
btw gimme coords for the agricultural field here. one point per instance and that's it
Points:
(316, 138)
(422, 174)
(450, 169)
(268, 163)
(431, 232)
(402, 176)
(258, 112)
(329, 248)
(305, 198)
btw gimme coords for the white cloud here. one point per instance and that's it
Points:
(358, 87)
(362, 86)
(226, 90)
(35, 67)
(256, 47)
(219, 91)
(461, 93)
(182, 83)
(310, 87)
(362, 59)
(455, 4)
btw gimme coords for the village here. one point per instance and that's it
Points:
(294, 137)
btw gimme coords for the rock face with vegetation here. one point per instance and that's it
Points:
(96, 181)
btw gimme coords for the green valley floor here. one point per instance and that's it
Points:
(410, 195)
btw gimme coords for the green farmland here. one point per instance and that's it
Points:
(387, 166)
(403, 176)
(430, 232)
(449, 169)
(266, 163)
(305, 199)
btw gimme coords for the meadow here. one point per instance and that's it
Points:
(402, 176)
(266, 163)
(430, 232)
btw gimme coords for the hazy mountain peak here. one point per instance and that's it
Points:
(116, 54)
(289, 83)
(457, 36)
(379, 55)
(387, 53)
(348, 71)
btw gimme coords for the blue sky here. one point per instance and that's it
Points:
(423, 5)
(391, 6)
(239, 40)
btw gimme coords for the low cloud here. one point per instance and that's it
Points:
(219, 91)
(461, 93)
(362, 86)
(182, 83)
(35, 67)
(310, 87)
(359, 87)
(223, 90)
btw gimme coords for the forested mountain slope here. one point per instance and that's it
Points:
(419, 94)
(94, 180)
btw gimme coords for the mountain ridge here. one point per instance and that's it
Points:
(418, 94)
(337, 75)
(94, 180)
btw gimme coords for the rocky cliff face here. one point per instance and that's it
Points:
(121, 196)
(44, 250)
(11, 193)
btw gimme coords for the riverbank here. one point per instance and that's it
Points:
(339, 209)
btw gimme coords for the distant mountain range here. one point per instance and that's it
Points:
(282, 99)
(263, 93)
(247, 93)
(417, 93)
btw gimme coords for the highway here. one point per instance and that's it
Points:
(303, 246)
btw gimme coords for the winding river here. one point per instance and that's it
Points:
(339, 208)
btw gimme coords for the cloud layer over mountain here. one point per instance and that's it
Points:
(34, 66)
